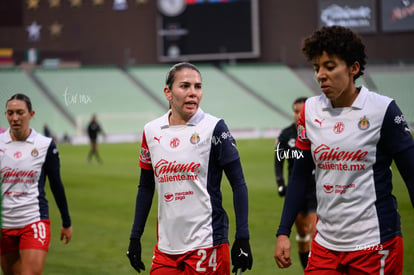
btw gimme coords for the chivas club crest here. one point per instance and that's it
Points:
(363, 123)
(35, 153)
(195, 138)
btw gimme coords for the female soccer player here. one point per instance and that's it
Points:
(183, 154)
(26, 158)
(352, 135)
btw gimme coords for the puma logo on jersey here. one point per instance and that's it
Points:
(319, 121)
(157, 139)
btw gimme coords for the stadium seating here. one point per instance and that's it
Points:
(277, 83)
(222, 97)
(152, 77)
(121, 106)
(237, 104)
(250, 97)
(398, 83)
(16, 81)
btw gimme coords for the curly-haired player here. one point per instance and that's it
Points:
(352, 135)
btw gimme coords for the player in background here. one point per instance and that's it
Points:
(183, 155)
(94, 129)
(26, 159)
(286, 151)
(352, 135)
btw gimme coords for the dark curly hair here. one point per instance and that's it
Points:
(339, 41)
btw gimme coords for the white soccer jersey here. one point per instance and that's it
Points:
(187, 177)
(352, 154)
(23, 167)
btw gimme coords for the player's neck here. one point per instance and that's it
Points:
(175, 120)
(20, 136)
(347, 99)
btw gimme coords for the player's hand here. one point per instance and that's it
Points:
(241, 255)
(66, 234)
(282, 252)
(281, 189)
(134, 254)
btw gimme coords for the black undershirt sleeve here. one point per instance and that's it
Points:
(295, 194)
(146, 189)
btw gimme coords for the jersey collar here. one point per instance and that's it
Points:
(194, 120)
(357, 104)
(30, 138)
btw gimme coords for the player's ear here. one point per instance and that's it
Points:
(167, 93)
(354, 69)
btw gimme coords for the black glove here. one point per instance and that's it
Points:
(281, 188)
(241, 255)
(134, 254)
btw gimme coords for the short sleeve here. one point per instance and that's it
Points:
(395, 133)
(144, 155)
(223, 144)
(302, 141)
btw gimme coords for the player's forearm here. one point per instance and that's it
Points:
(52, 167)
(302, 168)
(58, 191)
(278, 170)
(240, 201)
(235, 176)
(143, 203)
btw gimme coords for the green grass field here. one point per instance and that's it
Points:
(102, 200)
